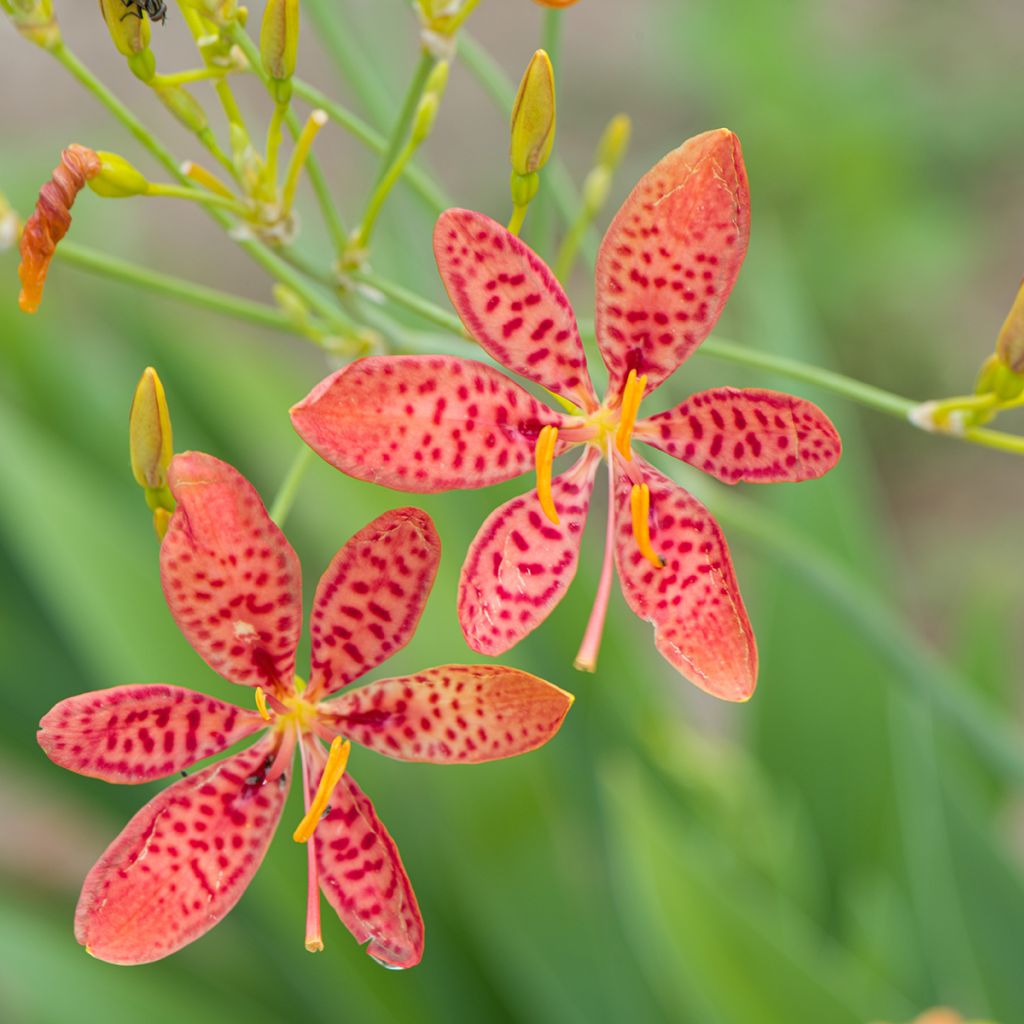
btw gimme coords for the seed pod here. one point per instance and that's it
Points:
(118, 179)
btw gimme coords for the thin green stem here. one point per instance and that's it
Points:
(428, 191)
(289, 490)
(196, 195)
(274, 139)
(400, 129)
(195, 75)
(413, 302)
(515, 223)
(176, 288)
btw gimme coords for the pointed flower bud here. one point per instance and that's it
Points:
(50, 221)
(35, 20)
(533, 117)
(430, 101)
(279, 38)
(183, 106)
(150, 440)
(131, 35)
(1010, 343)
(118, 179)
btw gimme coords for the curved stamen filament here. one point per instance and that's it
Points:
(640, 506)
(632, 394)
(337, 760)
(261, 704)
(544, 457)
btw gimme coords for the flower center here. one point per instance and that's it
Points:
(283, 712)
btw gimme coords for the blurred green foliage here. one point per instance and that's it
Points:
(835, 851)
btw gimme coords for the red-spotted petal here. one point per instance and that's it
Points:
(231, 579)
(520, 564)
(670, 258)
(363, 879)
(700, 624)
(750, 434)
(455, 714)
(140, 733)
(182, 862)
(423, 423)
(512, 304)
(370, 599)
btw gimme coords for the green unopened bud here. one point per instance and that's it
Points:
(533, 117)
(35, 20)
(221, 12)
(149, 434)
(183, 106)
(1010, 343)
(279, 38)
(426, 111)
(117, 178)
(614, 141)
(131, 34)
(595, 189)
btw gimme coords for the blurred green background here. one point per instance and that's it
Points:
(847, 847)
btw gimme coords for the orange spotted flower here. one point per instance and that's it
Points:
(233, 585)
(432, 423)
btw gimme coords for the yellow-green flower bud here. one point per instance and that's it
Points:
(426, 111)
(183, 106)
(149, 433)
(1010, 343)
(614, 141)
(35, 20)
(117, 178)
(279, 38)
(533, 117)
(131, 35)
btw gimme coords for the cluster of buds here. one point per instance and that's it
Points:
(35, 20)
(151, 447)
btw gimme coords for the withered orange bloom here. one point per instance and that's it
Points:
(51, 219)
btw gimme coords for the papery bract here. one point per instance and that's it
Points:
(233, 585)
(664, 271)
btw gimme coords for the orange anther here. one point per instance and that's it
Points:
(640, 506)
(337, 760)
(632, 394)
(544, 457)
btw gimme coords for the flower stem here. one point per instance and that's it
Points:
(421, 183)
(173, 287)
(400, 129)
(411, 301)
(287, 493)
(196, 196)
(194, 75)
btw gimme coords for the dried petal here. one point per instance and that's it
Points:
(50, 221)
(455, 714)
(370, 599)
(422, 423)
(231, 580)
(700, 624)
(671, 257)
(520, 564)
(140, 733)
(182, 862)
(751, 434)
(512, 304)
(363, 878)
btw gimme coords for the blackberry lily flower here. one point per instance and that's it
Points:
(233, 585)
(665, 269)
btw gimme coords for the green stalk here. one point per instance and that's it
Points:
(400, 129)
(174, 287)
(431, 193)
(286, 495)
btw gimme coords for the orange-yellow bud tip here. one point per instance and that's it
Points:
(640, 507)
(544, 457)
(337, 760)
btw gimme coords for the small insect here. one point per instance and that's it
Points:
(156, 9)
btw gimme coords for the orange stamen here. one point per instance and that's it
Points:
(544, 457)
(337, 760)
(640, 506)
(632, 394)
(261, 704)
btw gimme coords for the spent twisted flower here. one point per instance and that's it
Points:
(666, 266)
(233, 585)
